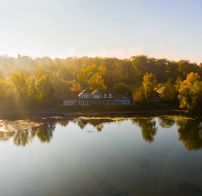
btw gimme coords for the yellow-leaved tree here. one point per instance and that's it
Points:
(190, 93)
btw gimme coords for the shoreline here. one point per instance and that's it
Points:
(95, 113)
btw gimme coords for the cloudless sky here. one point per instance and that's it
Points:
(121, 28)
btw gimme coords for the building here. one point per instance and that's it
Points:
(121, 100)
(69, 100)
(96, 97)
(84, 98)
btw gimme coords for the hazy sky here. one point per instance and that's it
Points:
(122, 28)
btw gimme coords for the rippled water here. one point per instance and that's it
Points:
(101, 156)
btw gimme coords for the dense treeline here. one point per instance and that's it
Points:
(39, 82)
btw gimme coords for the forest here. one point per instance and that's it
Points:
(38, 82)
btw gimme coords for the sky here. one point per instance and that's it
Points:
(112, 28)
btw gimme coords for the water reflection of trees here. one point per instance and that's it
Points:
(63, 121)
(148, 127)
(166, 122)
(190, 133)
(22, 137)
(4, 136)
(97, 123)
(44, 132)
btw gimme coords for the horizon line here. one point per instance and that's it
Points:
(100, 56)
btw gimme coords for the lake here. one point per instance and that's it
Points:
(152, 156)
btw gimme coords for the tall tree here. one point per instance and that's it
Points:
(167, 91)
(20, 81)
(44, 88)
(190, 93)
(149, 83)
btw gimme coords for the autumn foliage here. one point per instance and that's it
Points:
(29, 82)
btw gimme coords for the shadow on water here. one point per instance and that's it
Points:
(22, 133)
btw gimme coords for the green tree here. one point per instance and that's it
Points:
(92, 77)
(4, 89)
(121, 88)
(97, 82)
(147, 91)
(44, 88)
(149, 83)
(167, 91)
(85, 74)
(138, 95)
(20, 81)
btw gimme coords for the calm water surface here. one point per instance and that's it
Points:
(101, 157)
